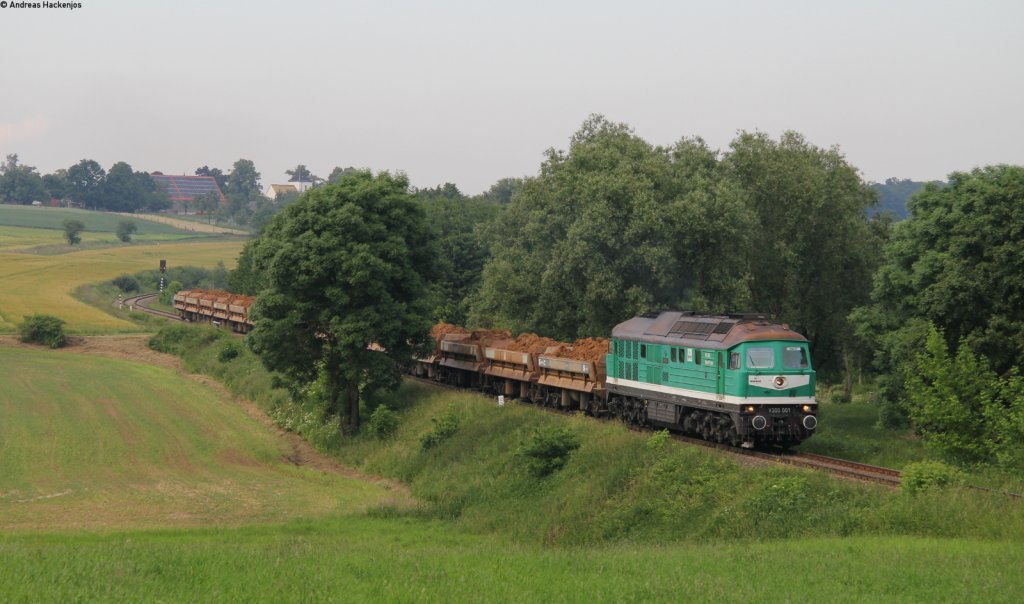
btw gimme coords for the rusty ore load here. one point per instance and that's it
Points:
(516, 359)
(216, 307)
(579, 366)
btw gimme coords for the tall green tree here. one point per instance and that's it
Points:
(457, 222)
(20, 183)
(956, 263)
(611, 228)
(813, 249)
(121, 190)
(85, 183)
(244, 180)
(346, 266)
(56, 184)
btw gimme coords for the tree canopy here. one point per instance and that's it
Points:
(462, 248)
(20, 183)
(244, 180)
(344, 267)
(597, 236)
(956, 263)
(616, 226)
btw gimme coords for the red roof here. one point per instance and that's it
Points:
(187, 188)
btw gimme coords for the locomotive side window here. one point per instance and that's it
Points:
(696, 356)
(643, 351)
(794, 357)
(734, 360)
(760, 357)
(674, 355)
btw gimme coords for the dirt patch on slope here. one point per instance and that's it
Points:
(135, 348)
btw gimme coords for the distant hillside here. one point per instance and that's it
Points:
(893, 196)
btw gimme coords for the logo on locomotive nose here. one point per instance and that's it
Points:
(780, 381)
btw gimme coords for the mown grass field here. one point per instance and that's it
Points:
(359, 559)
(32, 283)
(95, 222)
(102, 444)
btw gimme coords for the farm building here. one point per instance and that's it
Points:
(183, 190)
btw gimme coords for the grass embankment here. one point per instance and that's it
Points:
(629, 520)
(105, 444)
(618, 486)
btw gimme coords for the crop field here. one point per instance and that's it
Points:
(33, 283)
(99, 444)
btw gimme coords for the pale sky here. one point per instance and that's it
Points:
(473, 91)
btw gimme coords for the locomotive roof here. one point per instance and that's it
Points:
(687, 328)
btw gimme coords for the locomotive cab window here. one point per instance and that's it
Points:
(734, 360)
(760, 357)
(794, 357)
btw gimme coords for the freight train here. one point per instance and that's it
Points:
(215, 307)
(740, 379)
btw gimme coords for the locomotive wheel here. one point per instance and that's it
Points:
(733, 436)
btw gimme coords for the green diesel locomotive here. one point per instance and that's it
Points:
(739, 379)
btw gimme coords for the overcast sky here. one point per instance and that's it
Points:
(473, 91)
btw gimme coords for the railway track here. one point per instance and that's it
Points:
(141, 302)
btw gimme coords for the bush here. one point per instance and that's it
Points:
(126, 283)
(43, 329)
(548, 450)
(231, 350)
(125, 230)
(659, 440)
(73, 230)
(167, 296)
(383, 423)
(444, 427)
(924, 475)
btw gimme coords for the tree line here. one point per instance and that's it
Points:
(87, 184)
(615, 226)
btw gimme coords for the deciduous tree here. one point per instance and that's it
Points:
(345, 267)
(244, 180)
(85, 183)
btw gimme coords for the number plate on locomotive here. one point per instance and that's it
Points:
(779, 410)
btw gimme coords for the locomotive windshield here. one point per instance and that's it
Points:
(794, 357)
(760, 357)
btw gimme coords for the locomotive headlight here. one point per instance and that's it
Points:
(807, 409)
(749, 409)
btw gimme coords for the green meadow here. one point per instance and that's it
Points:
(95, 222)
(98, 444)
